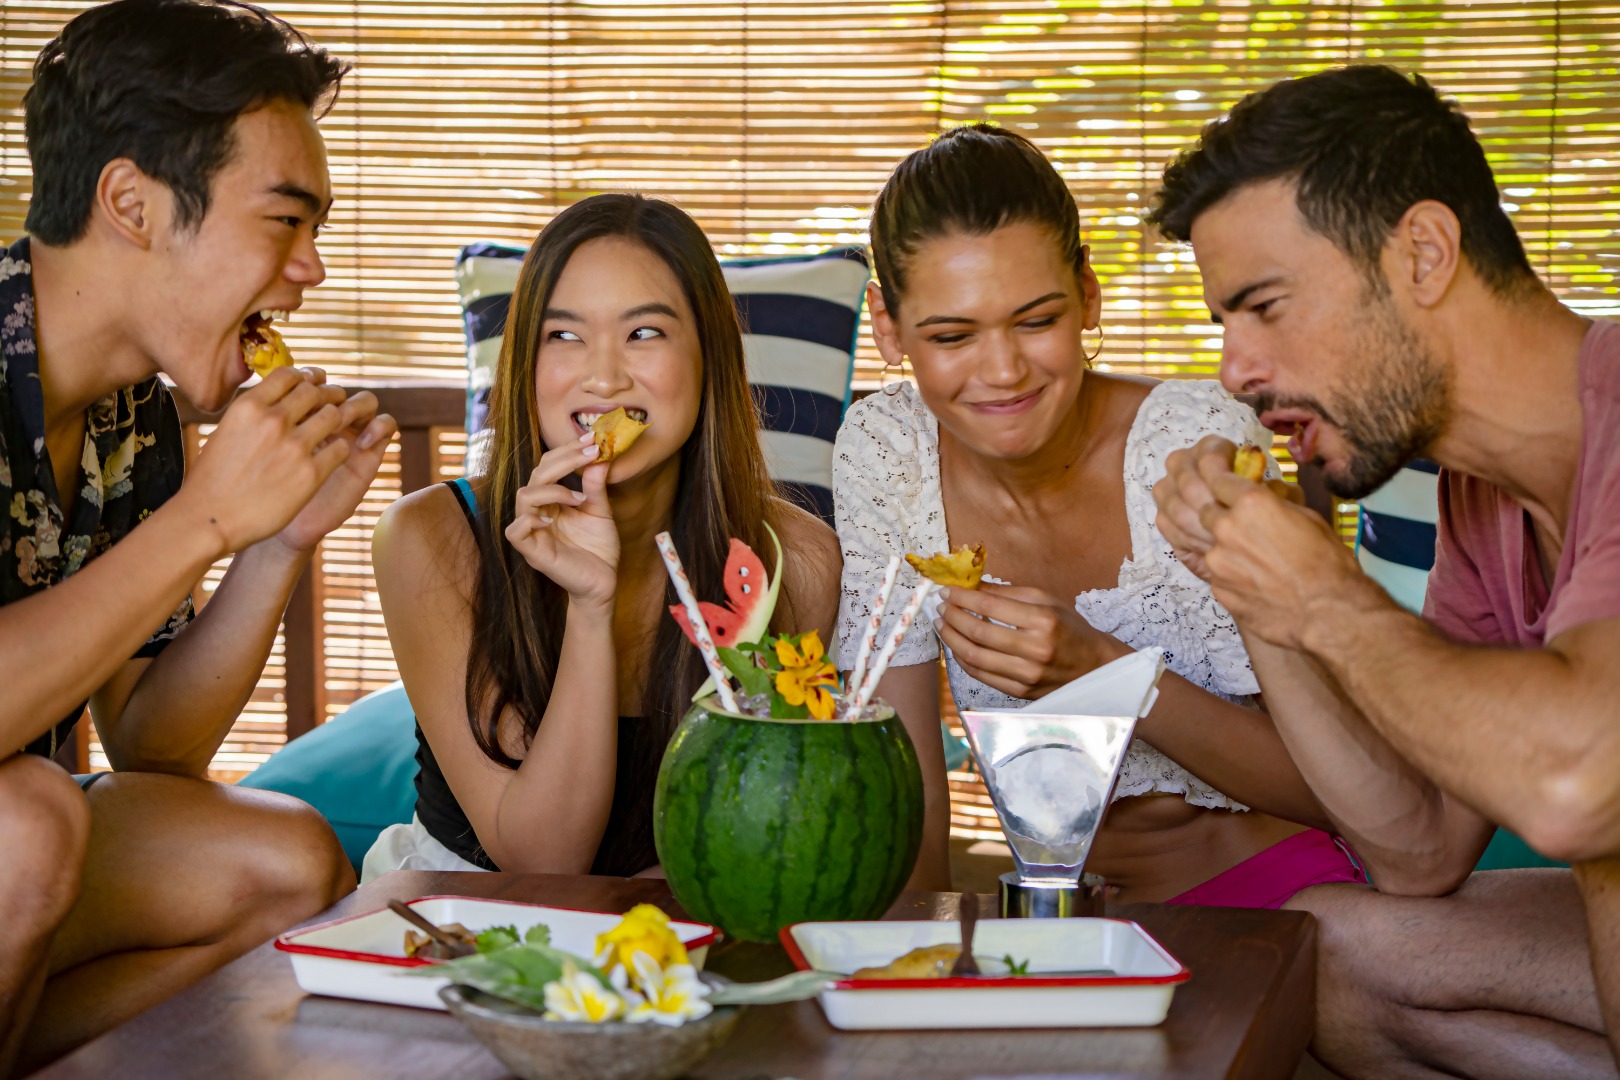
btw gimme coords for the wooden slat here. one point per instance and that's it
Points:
(415, 459)
(414, 403)
(467, 122)
(302, 632)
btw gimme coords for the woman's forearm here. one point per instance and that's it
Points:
(1233, 748)
(554, 811)
(913, 692)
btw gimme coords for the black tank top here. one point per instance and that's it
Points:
(627, 844)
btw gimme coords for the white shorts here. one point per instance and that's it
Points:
(409, 847)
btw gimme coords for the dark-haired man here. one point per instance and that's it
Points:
(1378, 301)
(179, 182)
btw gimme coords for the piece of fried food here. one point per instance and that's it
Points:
(961, 569)
(263, 348)
(1250, 463)
(420, 946)
(931, 962)
(615, 433)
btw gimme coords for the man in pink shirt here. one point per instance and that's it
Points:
(1378, 302)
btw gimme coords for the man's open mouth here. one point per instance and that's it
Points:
(1302, 428)
(263, 350)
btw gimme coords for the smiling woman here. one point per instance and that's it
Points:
(1010, 439)
(526, 607)
(643, 357)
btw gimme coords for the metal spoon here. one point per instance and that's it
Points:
(967, 911)
(455, 945)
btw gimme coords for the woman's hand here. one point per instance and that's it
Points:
(1044, 645)
(568, 535)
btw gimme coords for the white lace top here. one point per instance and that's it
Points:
(886, 492)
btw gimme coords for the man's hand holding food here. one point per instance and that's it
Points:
(291, 459)
(1270, 561)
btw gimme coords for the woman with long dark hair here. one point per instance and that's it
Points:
(527, 607)
(1009, 437)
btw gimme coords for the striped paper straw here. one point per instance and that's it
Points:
(700, 629)
(873, 625)
(881, 664)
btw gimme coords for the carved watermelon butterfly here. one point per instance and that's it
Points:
(750, 599)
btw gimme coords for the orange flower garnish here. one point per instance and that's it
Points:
(807, 677)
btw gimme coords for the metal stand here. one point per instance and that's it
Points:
(1064, 900)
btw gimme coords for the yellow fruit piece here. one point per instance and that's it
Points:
(615, 433)
(264, 350)
(1250, 463)
(962, 569)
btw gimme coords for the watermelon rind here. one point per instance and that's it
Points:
(762, 823)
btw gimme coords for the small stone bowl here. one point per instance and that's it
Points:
(537, 1049)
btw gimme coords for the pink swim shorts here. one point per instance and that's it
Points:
(1269, 879)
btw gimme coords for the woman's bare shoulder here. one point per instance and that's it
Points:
(802, 531)
(425, 536)
(1128, 389)
(813, 564)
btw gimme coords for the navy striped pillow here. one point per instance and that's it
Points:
(800, 315)
(1395, 537)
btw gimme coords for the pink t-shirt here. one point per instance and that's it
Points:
(1487, 585)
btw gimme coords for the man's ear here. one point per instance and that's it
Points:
(126, 202)
(884, 330)
(1427, 245)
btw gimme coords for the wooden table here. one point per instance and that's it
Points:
(1246, 1012)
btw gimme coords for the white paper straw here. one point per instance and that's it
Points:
(881, 664)
(700, 629)
(857, 677)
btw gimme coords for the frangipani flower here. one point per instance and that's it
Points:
(580, 996)
(668, 995)
(807, 677)
(644, 929)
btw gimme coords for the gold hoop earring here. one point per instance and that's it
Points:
(1091, 356)
(893, 388)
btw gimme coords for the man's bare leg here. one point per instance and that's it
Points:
(1492, 981)
(181, 877)
(1599, 883)
(46, 824)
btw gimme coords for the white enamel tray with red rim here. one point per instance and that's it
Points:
(1082, 973)
(363, 956)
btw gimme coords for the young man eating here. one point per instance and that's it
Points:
(1378, 302)
(179, 184)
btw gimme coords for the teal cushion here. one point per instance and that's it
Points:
(1507, 852)
(358, 770)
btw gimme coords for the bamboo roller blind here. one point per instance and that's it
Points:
(774, 123)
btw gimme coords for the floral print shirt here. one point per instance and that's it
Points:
(133, 460)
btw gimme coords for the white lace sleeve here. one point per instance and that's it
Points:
(1204, 641)
(883, 468)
